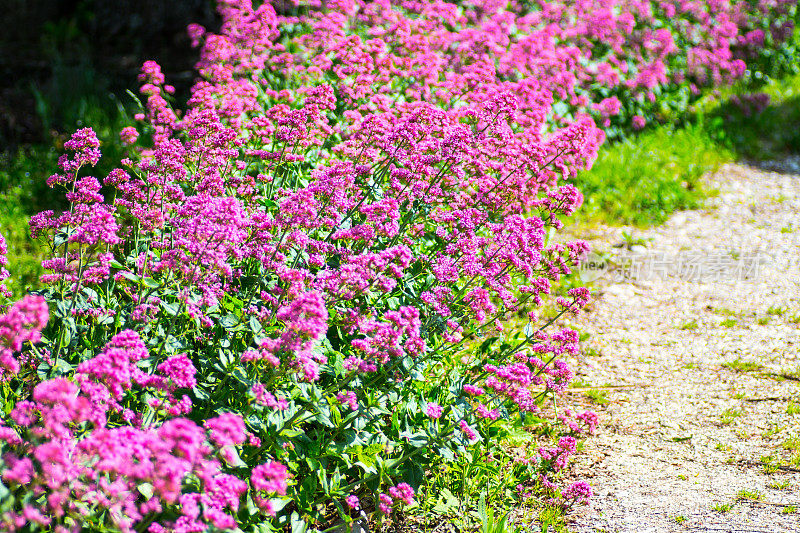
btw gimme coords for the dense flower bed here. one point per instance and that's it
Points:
(290, 298)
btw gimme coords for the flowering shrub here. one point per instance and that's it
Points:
(290, 298)
(624, 62)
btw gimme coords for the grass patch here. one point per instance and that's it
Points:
(24, 254)
(592, 352)
(766, 135)
(689, 326)
(76, 96)
(551, 520)
(792, 445)
(770, 464)
(476, 494)
(641, 181)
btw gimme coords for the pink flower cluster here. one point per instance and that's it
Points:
(20, 325)
(433, 410)
(633, 48)
(48, 448)
(578, 492)
(3, 264)
(559, 455)
(268, 480)
(401, 494)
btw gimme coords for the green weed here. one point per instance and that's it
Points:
(598, 397)
(729, 415)
(776, 310)
(722, 507)
(739, 365)
(747, 494)
(791, 444)
(779, 485)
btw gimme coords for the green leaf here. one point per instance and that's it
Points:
(323, 417)
(367, 463)
(447, 503)
(298, 524)
(67, 335)
(255, 325)
(336, 416)
(446, 453)
(201, 394)
(146, 490)
(485, 345)
(324, 482)
(251, 506)
(232, 458)
(62, 368)
(229, 321)
(171, 309)
(414, 476)
(418, 440)
(131, 276)
(279, 503)
(240, 375)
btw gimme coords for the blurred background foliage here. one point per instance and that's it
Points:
(68, 64)
(65, 63)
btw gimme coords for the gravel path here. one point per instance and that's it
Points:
(694, 339)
